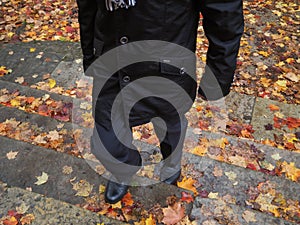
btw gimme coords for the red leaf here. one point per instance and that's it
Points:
(251, 166)
(69, 29)
(186, 197)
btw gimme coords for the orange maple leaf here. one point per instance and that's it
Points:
(188, 184)
(127, 200)
(273, 107)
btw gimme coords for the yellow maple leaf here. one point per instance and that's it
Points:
(199, 150)
(51, 83)
(291, 172)
(188, 184)
(15, 102)
(150, 220)
(265, 54)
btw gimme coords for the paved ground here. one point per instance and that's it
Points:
(240, 177)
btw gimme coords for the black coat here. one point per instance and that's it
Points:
(174, 21)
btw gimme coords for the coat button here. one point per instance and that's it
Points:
(182, 70)
(124, 40)
(126, 79)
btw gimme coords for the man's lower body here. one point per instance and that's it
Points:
(114, 149)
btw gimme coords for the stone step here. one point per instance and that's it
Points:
(27, 59)
(264, 120)
(66, 108)
(245, 188)
(214, 212)
(31, 161)
(41, 210)
(262, 157)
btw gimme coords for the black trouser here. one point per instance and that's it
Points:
(114, 148)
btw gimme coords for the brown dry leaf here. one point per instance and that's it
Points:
(11, 155)
(218, 172)
(174, 214)
(53, 135)
(67, 170)
(83, 188)
(238, 161)
(188, 184)
(249, 216)
(20, 80)
(27, 219)
(292, 77)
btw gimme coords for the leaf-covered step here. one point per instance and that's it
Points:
(277, 123)
(44, 131)
(62, 108)
(245, 188)
(71, 179)
(212, 211)
(244, 153)
(27, 207)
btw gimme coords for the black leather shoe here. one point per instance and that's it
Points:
(114, 192)
(173, 179)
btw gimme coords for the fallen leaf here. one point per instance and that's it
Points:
(11, 155)
(150, 220)
(67, 170)
(218, 172)
(174, 214)
(249, 216)
(11, 221)
(20, 80)
(238, 161)
(51, 83)
(127, 200)
(186, 197)
(188, 183)
(273, 107)
(53, 135)
(231, 175)
(42, 179)
(22, 209)
(117, 205)
(83, 188)
(291, 171)
(292, 77)
(213, 195)
(199, 150)
(276, 156)
(101, 189)
(27, 219)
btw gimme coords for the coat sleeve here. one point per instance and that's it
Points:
(87, 10)
(223, 24)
